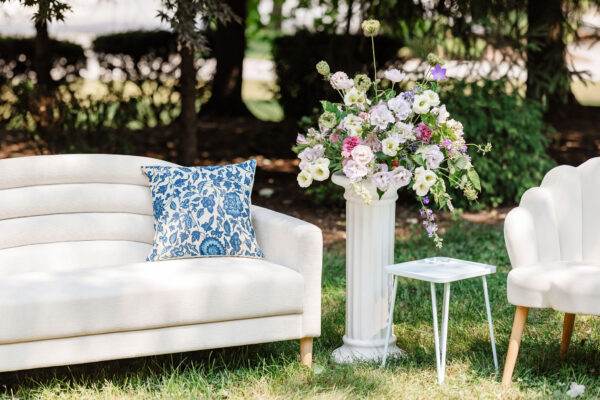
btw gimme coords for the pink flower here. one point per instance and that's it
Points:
(334, 137)
(345, 154)
(423, 133)
(365, 116)
(350, 143)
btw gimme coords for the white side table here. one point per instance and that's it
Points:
(441, 270)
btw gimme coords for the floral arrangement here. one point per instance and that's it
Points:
(390, 138)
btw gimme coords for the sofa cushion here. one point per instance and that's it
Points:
(144, 295)
(202, 211)
(565, 286)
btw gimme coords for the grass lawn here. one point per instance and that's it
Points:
(272, 371)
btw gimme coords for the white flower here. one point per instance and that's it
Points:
(304, 179)
(354, 171)
(390, 146)
(456, 126)
(319, 172)
(340, 81)
(362, 192)
(400, 176)
(406, 132)
(309, 155)
(432, 97)
(442, 114)
(575, 390)
(394, 75)
(421, 188)
(381, 116)
(362, 154)
(355, 96)
(353, 125)
(426, 176)
(382, 180)
(431, 155)
(400, 107)
(323, 161)
(421, 104)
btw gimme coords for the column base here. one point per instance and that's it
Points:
(351, 353)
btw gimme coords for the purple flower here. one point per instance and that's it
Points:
(409, 96)
(463, 149)
(438, 72)
(425, 200)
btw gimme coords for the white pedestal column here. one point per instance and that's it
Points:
(370, 231)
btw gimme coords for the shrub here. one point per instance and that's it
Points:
(138, 55)
(16, 60)
(513, 125)
(296, 56)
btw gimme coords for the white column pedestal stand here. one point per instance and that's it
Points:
(370, 231)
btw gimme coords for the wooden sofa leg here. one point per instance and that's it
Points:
(513, 345)
(306, 347)
(567, 333)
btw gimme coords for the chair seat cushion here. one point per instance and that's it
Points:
(572, 287)
(37, 305)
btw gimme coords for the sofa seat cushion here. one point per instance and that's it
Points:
(37, 305)
(565, 286)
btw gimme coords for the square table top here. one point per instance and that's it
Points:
(440, 269)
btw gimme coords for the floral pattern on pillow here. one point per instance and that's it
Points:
(202, 211)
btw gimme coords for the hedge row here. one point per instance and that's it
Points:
(16, 59)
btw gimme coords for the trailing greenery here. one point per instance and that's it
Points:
(16, 59)
(515, 128)
(296, 56)
(272, 371)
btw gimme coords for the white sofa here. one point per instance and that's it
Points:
(553, 240)
(75, 231)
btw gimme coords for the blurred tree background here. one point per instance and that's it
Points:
(513, 85)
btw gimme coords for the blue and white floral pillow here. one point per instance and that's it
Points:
(202, 211)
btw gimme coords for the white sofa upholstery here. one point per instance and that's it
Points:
(553, 241)
(75, 231)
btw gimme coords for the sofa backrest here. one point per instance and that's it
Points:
(566, 213)
(63, 212)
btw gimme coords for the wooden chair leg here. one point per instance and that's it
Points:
(513, 345)
(567, 333)
(306, 347)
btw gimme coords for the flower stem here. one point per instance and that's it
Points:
(374, 68)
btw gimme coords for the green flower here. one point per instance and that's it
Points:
(323, 68)
(370, 27)
(433, 60)
(328, 120)
(362, 82)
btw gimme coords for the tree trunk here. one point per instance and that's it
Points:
(349, 16)
(229, 48)
(42, 60)
(547, 71)
(188, 141)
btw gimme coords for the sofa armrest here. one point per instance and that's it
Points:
(521, 238)
(296, 244)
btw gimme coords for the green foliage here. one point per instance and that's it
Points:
(514, 127)
(67, 121)
(188, 19)
(296, 57)
(16, 59)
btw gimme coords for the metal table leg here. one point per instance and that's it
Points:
(390, 321)
(490, 323)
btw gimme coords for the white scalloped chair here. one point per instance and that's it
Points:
(553, 240)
